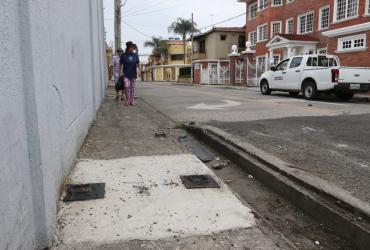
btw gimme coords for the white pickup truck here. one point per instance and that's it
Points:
(315, 74)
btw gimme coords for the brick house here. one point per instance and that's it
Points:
(283, 28)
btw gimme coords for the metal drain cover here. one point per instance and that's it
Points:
(198, 181)
(82, 192)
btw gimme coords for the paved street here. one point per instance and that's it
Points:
(329, 139)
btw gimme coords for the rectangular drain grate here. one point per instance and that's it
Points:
(198, 181)
(82, 192)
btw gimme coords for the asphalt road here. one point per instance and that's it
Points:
(330, 139)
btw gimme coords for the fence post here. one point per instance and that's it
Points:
(233, 58)
(249, 53)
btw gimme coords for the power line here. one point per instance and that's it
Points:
(224, 21)
(234, 17)
(153, 11)
(149, 6)
(137, 30)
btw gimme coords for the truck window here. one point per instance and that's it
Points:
(296, 62)
(312, 61)
(323, 61)
(283, 65)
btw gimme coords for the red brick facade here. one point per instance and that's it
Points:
(359, 56)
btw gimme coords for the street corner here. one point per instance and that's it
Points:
(145, 199)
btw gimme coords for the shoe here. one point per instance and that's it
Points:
(117, 97)
(122, 98)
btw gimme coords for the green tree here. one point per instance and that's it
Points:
(159, 47)
(183, 27)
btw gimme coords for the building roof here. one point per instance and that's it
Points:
(221, 29)
(293, 37)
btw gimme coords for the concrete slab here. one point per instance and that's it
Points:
(145, 200)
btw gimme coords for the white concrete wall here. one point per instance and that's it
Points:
(52, 81)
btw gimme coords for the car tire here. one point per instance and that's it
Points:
(293, 93)
(344, 96)
(265, 88)
(309, 90)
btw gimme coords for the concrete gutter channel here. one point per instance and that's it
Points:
(328, 204)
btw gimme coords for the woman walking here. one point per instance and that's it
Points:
(129, 67)
(115, 63)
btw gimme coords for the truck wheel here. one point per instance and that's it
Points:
(344, 96)
(293, 93)
(309, 90)
(265, 88)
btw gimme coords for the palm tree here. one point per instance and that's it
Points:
(184, 28)
(159, 46)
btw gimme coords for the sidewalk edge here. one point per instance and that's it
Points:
(325, 202)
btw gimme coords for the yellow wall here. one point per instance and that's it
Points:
(175, 49)
(215, 47)
(158, 74)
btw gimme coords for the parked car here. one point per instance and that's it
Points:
(315, 74)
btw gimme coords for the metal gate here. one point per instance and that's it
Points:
(215, 73)
(251, 73)
(239, 72)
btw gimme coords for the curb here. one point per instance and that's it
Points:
(331, 205)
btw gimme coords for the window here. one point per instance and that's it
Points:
(261, 64)
(324, 17)
(241, 41)
(253, 11)
(289, 26)
(283, 65)
(275, 28)
(178, 57)
(253, 37)
(276, 59)
(312, 61)
(202, 46)
(223, 37)
(352, 43)
(263, 4)
(322, 51)
(262, 34)
(367, 11)
(277, 2)
(296, 62)
(305, 23)
(345, 9)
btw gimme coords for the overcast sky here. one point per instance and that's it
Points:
(152, 17)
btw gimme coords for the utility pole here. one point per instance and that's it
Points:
(117, 24)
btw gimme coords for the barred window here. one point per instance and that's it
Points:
(290, 26)
(324, 17)
(305, 23)
(253, 37)
(275, 28)
(263, 4)
(346, 9)
(277, 2)
(352, 42)
(262, 33)
(253, 11)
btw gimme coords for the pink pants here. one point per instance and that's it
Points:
(129, 89)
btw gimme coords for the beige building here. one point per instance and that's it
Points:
(216, 43)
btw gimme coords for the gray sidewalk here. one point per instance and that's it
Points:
(146, 205)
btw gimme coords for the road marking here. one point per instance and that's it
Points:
(322, 111)
(204, 106)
